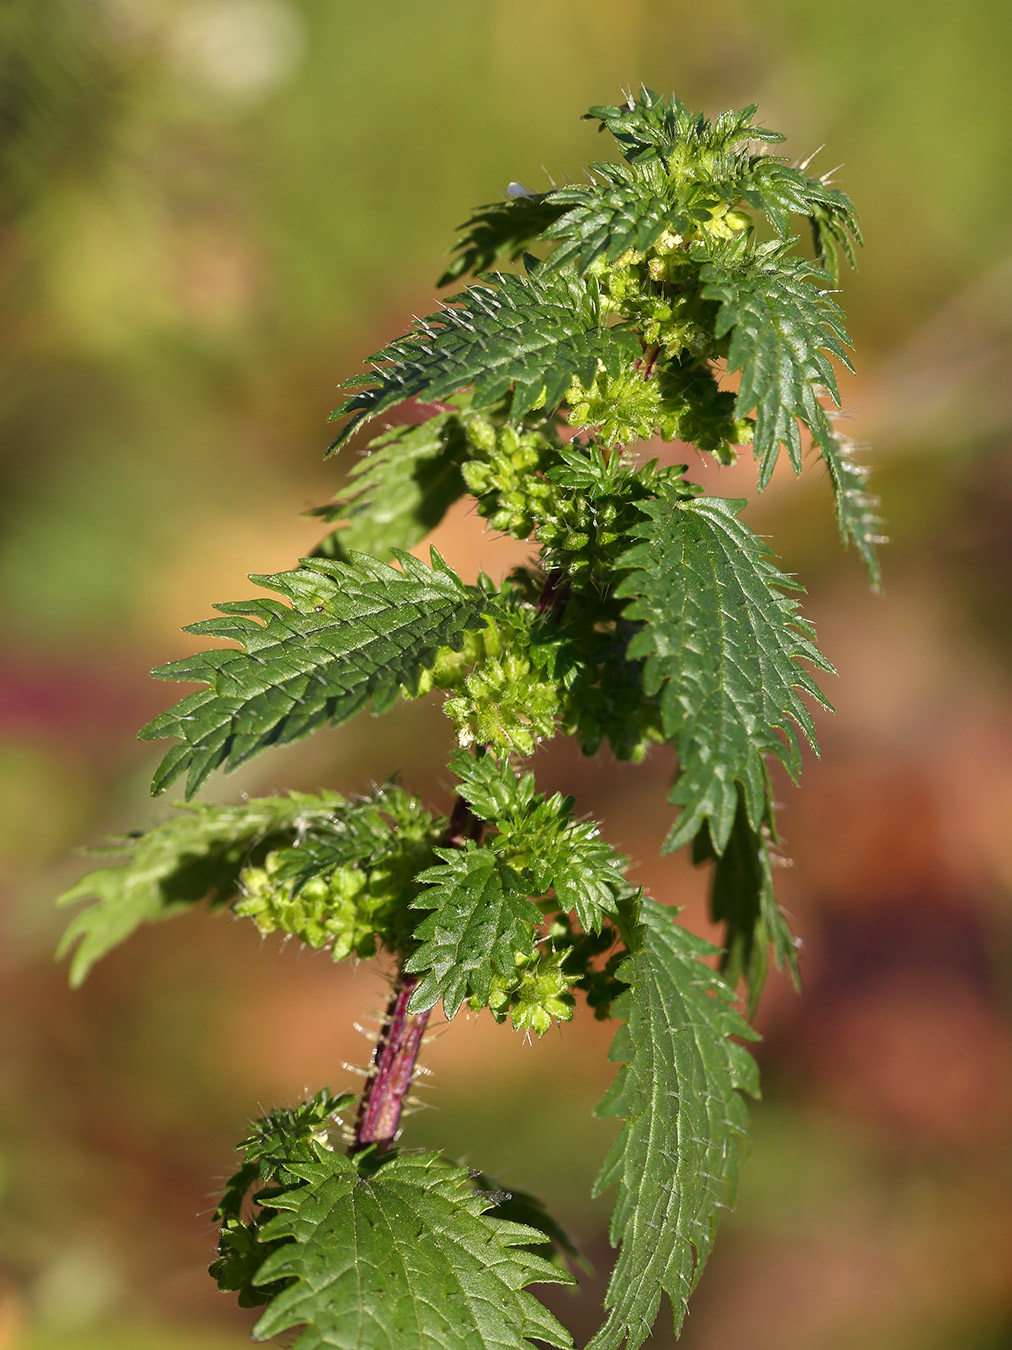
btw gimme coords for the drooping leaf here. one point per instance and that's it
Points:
(743, 899)
(500, 229)
(482, 919)
(400, 491)
(675, 1160)
(400, 1257)
(194, 856)
(723, 643)
(353, 632)
(530, 334)
(781, 191)
(783, 331)
(857, 511)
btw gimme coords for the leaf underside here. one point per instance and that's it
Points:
(194, 856)
(675, 1161)
(353, 632)
(399, 492)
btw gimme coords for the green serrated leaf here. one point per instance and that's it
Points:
(500, 229)
(857, 511)
(528, 336)
(675, 1160)
(482, 920)
(403, 1256)
(783, 331)
(723, 643)
(352, 632)
(608, 218)
(650, 127)
(192, 857)
(781, 191)
(400, 491)
(743, 899)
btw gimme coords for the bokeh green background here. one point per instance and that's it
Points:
(210, 210)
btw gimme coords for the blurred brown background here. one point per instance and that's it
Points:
(211, 210)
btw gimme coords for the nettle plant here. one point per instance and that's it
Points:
(650, 613)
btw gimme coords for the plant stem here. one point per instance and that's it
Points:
(393, 1062)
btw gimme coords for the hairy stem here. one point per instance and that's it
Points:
(392, 1069)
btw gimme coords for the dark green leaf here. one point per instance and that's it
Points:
(723, 644)
(783, 331)
(742, 898)
(675, 1161)
(353, 632)
(400, 1257)
(500, 229)
(529, 334)
(482, 920)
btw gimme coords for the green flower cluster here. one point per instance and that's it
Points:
(507, 699)
(676, 402)
(339, 912)
(505, 477)
(537, 996)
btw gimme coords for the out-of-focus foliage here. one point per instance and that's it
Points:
(203, 226)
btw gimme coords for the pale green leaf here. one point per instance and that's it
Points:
(195, 856)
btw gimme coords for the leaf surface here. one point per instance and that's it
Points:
(482, 917)
(783, 332)
(528, 334)
(352, 632)
(404, 1258)
(857, 510)
(723, 643)
(675, 1160)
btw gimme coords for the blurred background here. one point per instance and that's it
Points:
(210, 211)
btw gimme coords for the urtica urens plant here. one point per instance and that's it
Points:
(649, 613)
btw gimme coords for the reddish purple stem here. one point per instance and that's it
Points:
(393, 1063)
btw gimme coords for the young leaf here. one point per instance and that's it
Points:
(743, 899)
(650, 127)
(530, 334)
(782, 191)
(723, 643)
(482, 920)
(782, 327)
(192, 857)
(541, 840)
(500, 228)
(676, 1158)
(402, 1256)
(400, 491)
(353, 632)
(856, 510)
(608, 218)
